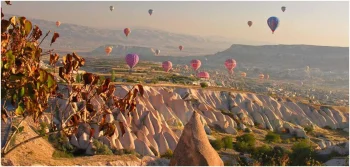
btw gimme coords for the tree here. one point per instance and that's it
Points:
(227, 142)
(272, 137)
(113, 76)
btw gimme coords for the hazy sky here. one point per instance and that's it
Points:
(316, 23)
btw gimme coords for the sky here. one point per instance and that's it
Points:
(310, 22)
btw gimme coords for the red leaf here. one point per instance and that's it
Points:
(54, 37)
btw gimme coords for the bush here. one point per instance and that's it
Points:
(61, 154)
(204, 84)
(101, 149)
(247, 138)
(112, 76)
(327, 127)
(272, 137)
(227, 141)
(168, 154)
(302, 154)
(243, 147)
(309, 129)
(217, 144)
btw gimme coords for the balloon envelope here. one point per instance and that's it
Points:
(132, 59)
(195, 64)
(261, 76)
(250, 23)
(157, 51)
(283, 8)
(243, 74)
(204, 75)
(127, 31)
(58, 23)
(273, 22)
(167, 65)
(230, 64)
(180, 47)
(108, 50)
(111, 8)
(150, 11)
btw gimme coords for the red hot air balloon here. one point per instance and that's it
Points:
(243, 74)
(195, 64)
(132, 59)
(204, 75)
(167, 65)
(261, 76)
(108, 50)
(127, 31)
(230, 64)
(58, 23)
(181, 47)
(250, 23)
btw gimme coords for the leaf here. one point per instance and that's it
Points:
(88, 78)
(43, 76)
(20, 129)
(10, 58)
(21, 92)
(8, 2)
(5, 24)
(22, 20)
(27, 27)
(54, 37)
(13, 20)
(141, 90)
(20, 110)
(50, 81)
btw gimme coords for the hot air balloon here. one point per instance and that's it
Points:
(250, 23)
(181, 47)
(273, 22)
(204, 75)
(58, 23)
(132, 59)
(111, 8)
(150, 12)
(108, 50)
(267, 76)
(243, 74)
(167, 65)
(261, 76)
(283, 8)
(230, 65)
(127, 31)
(157, 52)
(195, 64)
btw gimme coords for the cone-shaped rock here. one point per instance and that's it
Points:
(193, 148)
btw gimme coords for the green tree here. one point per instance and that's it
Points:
(227, 142)
(112, 76)
(273, 137)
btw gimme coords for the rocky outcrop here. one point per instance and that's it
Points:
(194, 148)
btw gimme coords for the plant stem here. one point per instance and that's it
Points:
(13, 134)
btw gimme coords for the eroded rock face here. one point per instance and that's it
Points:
(193, 148)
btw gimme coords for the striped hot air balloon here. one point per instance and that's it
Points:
(167, 65)
(230, 64)
(131, 59)
(204, 75)
(195, 64)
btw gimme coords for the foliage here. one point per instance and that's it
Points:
(61, 142)
(113, 76)
(227, 140)
(101, 149)
(245, 143)
(327, 127)
(302, 154)
(61, 154)
(217, 144)
(273, 137)
(204, 85)
(168, 154)
(309, 129)
(268, 156)
(43, 128)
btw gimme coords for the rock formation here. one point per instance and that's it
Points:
(193, 148)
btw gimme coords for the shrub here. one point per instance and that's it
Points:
(112, 76)
(309, 129)
(327, 127)
(227, 141)
(302, 153)
(247, 138)
(217, 144)
(168, 154)
(204, 84)
(272, 137)
(61, 154)
(101, 149)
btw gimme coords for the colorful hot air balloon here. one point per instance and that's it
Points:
(283, 8)
(111, 8)
(132, 59)
(204, 75)
(58, 23)
(150, 12)
(250, 23)
(230, 65)
(261, 76)
(167, 65)
(195, 64)
(243, 74)
(181, 47)
(273, 22)
(127, 31)
(108, 50)
(157, 52)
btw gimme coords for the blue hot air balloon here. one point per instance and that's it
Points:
(273, 22)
